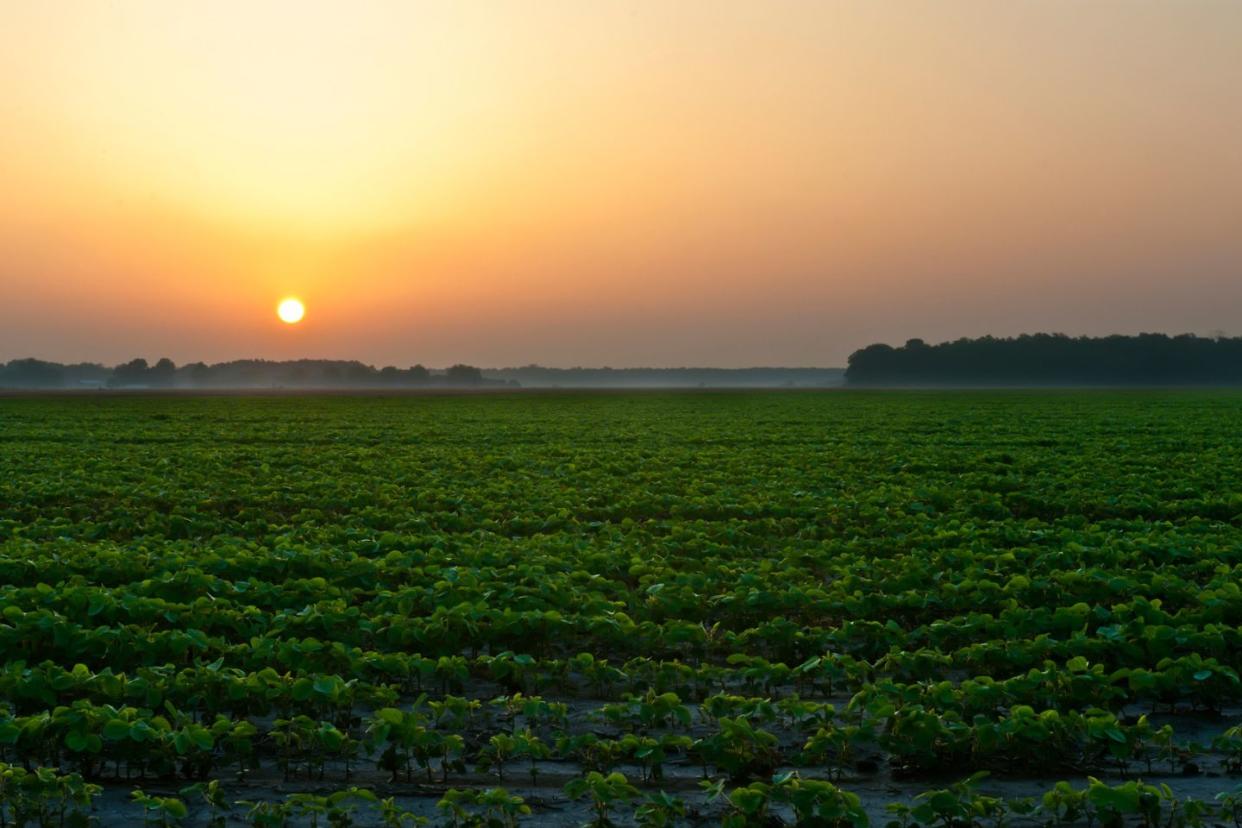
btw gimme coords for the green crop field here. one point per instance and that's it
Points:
(824, 609)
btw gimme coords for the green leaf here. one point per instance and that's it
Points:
(116, 730)
(77, 741)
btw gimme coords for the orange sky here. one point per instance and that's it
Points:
(700, 182)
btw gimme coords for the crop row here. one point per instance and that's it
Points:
(454, 732)
(45, 799)
(375, 679)
(499, 605)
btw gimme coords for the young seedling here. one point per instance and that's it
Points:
(606, 792)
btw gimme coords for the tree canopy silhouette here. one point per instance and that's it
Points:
(245, 373)
(1053, 359)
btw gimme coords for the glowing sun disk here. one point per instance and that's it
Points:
(290, 311)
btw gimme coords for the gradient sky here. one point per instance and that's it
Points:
(700, 182)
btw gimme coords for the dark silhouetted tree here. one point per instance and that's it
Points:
(162, 372)
(198, 373)
(464, 375)
(133, 372)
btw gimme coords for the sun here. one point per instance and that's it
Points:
(290, 310)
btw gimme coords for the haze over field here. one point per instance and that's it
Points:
(695, 183)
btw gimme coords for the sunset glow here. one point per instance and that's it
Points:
(704, 182)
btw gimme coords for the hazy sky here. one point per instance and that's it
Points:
(658, 183)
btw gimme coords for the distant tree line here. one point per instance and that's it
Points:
(1053, 359)
(312, 373)
(246, 373)
(35, 373)
(537, 376)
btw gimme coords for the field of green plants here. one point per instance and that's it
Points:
(748, 609)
